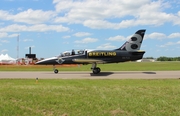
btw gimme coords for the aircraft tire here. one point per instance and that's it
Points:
(99, 70)
(56, 71)
(96, 70)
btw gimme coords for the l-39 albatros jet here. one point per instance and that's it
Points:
(129, 51)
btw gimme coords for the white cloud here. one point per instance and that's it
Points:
(81, 34)
(174, 35)
(33, 16)
(66, 42)
(30, 46)
(3, 34)
(86, 40)
(160, 36)
(4, 41)
(98, 24)
(156, 35)
(13, 35)
(20, 9)
(96, 13)
(106, 46)
(28, 40)
(30, 16)
(170, 44)
(178, 42)
(4, 50)
(36, 28)
(4, 15)
(97, 9)
(117, 38)
(66, 37)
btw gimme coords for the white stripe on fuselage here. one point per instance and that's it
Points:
(52, 58)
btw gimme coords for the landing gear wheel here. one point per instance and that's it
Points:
(96, 70)
(56, 71)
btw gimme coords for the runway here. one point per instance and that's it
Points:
(89, 75)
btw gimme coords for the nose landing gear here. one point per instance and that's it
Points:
(55, 70)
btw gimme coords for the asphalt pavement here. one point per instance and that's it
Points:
(90, 75)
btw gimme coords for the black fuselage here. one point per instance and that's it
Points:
(129, 51)
(113, 56)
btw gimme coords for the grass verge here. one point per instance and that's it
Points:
(128, 66)
(89, 97)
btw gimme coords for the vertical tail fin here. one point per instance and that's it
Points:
(134, 43)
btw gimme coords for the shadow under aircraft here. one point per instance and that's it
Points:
(129, 51)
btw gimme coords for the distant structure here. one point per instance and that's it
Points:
(146, 60)
(32, 56)
(18, 46)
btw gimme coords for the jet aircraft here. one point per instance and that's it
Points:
(129, 51)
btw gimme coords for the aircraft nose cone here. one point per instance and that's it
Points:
(48, 61)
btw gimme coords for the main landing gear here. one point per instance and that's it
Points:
(55, 70)
(95, 69)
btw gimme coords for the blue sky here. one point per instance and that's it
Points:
(51, 27)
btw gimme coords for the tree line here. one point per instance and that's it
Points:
(164, 58)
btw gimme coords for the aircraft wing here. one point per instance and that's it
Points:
(88, 61)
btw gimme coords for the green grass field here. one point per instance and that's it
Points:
(90, 97)
(128, 66)
(27, 97)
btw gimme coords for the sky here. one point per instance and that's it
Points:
(50, 27)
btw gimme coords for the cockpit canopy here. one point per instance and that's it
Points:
(73, 52)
